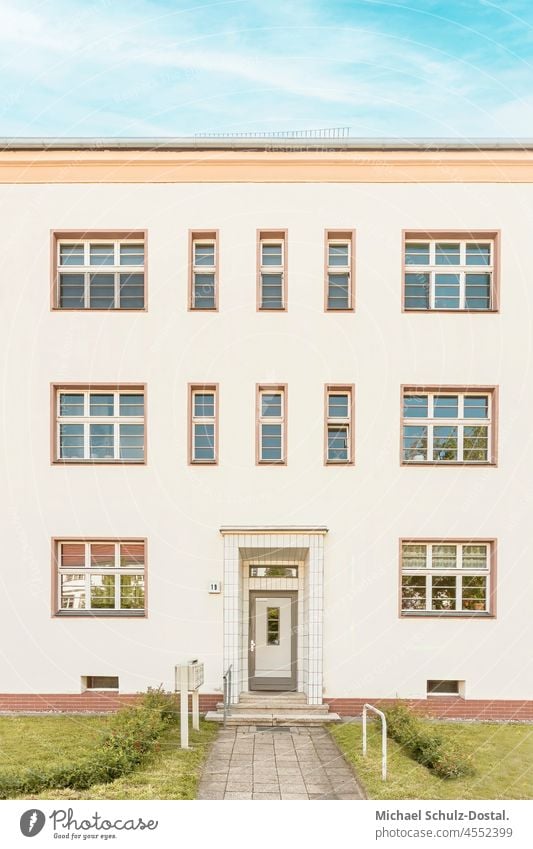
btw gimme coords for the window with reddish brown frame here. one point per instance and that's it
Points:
(203, 270)
(272, 270)
(203, 423)
(339, 271)
(271, 425)
(339, 425)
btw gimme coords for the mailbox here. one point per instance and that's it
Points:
(195, 675)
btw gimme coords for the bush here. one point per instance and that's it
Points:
(424, 743)
(133, 733)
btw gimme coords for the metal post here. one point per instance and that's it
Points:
(184, 707)
(196, 710)
(383, 737)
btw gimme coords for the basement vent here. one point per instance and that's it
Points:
(100, 682)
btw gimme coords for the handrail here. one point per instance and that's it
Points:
(227, 692)
(380, 713)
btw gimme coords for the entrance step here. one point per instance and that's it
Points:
(270, 706)
(273, 708)
(278, 718)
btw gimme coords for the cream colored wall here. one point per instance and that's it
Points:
(368, 650)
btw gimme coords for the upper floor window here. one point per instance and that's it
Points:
(100, 577)
(447, 577)
(448, 426)
(203, 403)
(203, 275)
(450, 272)
(99, 273)
(339, 417)
(272, 270)
(271, 424)
(339, 270)
(99, 424)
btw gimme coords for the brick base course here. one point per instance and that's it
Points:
(89, 702)
(443, 707)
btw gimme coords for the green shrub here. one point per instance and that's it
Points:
(133, 733)
(424, 743)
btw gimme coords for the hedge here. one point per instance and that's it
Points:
(424, 743)
(133, 733)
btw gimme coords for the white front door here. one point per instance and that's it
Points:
(272, 651)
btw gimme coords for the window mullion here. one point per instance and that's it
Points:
(86, 441)
(459, 593)
(117, 289)
(430, 442)
(429, 597)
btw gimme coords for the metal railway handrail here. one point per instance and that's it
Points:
(227, 692)
(383, 718)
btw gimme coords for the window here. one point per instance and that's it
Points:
(273, 571)
(272, 270)
(446, 426)
(445, 688)
(99, 425)
(339, 270)
(273, 626)
(203, 275)
(203, 405)
(99, 682)
(447, 578)
(271, 424)
(100, 577)
(103, 272)
(339, 417)
(450, 272)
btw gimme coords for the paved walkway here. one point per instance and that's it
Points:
(248, 762)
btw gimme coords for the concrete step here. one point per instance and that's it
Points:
(269, 706)
(271, 719)
(273, 695)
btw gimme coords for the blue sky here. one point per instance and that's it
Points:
(159, 68)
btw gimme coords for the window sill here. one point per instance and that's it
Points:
(482, 464)
(203, 462)
(271, 462)
(452, 614)
(94, 309)
(101, 614)
(99, 462)
(339, 463)
(444, 696)
(449, 311)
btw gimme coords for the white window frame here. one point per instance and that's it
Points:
(339, 269)
(116, 420)
(204, 269)
(458, 573)
(339, 422)
(87, 269)
(460, 422)
(462, 269)
(87, 571)
(272, 269)
(271, 420)
(203, 420)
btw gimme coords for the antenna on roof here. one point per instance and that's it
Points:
(323, 133)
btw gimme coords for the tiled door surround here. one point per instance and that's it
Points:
(265, 545)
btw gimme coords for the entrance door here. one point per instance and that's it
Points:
(273, 640)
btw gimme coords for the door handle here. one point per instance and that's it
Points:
(252, 645)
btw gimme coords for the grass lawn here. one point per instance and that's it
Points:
(502, 758)
(171, 773)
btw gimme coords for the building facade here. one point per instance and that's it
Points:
(265, 406)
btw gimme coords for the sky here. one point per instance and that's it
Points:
(460, 68)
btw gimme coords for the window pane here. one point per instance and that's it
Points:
(132, 555)
(73, 555)
(132, 254)
(131, 441)
(476, 406)
(477, 254)
(72, 592)
(474, 592)
(102, 682)
(131, 592)
(271, 254)
(103, 555)
(417, 253)
(131, 291)
(476, 443)
(102, 254)
(71, 404)
(414, 556)
(338, 406)
(413, 592)
(416, 291)
(338, 255)
(443, 592)
(478, 291)
(273, 571)
(446, 291)
(444, 557)
(72, 291)
(131, 405)
(337, 443)
(204, 404)
(101, 441)
(204, 291)
(71, 441)
(475, 557)
(338, 291)
(271, 442)
(71, 254)
(415, 443)
(445, 406)
(447, 254)
(415, 406)
(271, 291)
(102, 591)
(271, 404)
(204, 442)
(102, 291)
(204, 254)
(445, 443)
(443, 687)
(273, 626)
(101, 405)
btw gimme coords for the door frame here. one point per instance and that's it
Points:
(278, 684)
